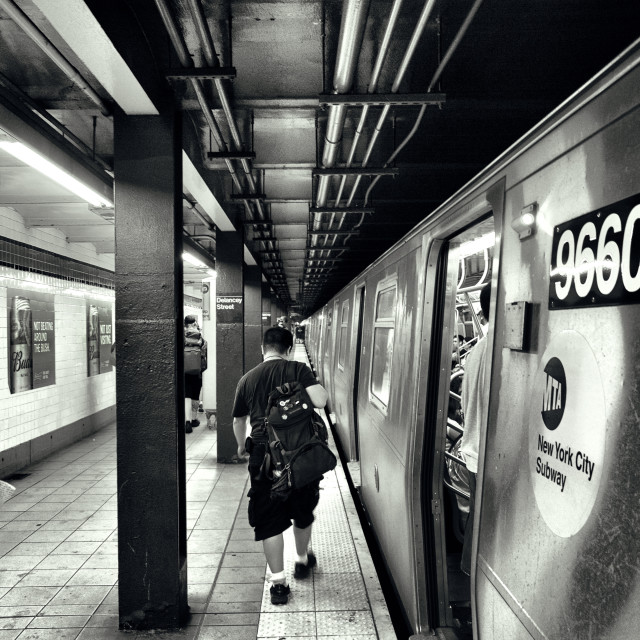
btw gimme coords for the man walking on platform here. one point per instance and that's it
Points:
(270, 518)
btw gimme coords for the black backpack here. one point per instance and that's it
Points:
(297, 440)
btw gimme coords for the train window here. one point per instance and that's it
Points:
(383, 333)
(344, 325)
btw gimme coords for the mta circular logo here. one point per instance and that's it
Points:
(554, 396)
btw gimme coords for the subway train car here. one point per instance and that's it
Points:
(553, 227)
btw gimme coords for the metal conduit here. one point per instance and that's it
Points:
(354, 16)
(445, 60)
(207, 223)
(404, 65)
(23, 21)
(60, 129)
(211, 58)
(186, 61)
(373, 87)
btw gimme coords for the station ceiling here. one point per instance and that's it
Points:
(324, 129)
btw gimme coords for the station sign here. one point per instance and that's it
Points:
(567, 433)
(229, 308)
(595, 258)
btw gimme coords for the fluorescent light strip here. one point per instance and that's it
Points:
(477, 245)
(64, 179)
(187, 257)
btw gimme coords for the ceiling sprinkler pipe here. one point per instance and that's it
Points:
(436, 76)
(404, 65)
(211, 58)
(23, 21)
(354, 17)
(186, 61)
(372, 88)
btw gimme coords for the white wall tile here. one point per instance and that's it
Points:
(25, 416)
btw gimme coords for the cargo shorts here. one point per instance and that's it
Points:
(271, 517)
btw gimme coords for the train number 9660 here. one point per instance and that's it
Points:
(595, 259)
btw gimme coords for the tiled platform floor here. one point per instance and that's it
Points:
(58, 555)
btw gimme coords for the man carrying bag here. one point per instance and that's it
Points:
(271, 517)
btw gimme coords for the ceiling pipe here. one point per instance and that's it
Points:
(211, 58)
(193, 208)
(436, 76)
(21, 97)
(404, 65)
(413, 43)
(23, 21)
(372, 88)
(354, 17)
(185, 60)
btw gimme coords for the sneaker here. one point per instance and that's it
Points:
(302, 570)
(279, 593)
(195, 423)
(187, 427)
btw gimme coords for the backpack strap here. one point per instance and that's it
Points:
(282, 389)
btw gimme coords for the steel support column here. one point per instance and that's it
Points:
(252, 317)
(266, 307)
(229, 335)
(152, 540)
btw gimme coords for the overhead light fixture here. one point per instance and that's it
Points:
(64, 179)
(187, 257)
(471, 247)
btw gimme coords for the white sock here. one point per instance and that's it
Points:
(279, 578)
(303, 559)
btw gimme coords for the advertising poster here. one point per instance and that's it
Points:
(99, 337)
(31, 321)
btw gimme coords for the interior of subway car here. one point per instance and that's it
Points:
(466, 269)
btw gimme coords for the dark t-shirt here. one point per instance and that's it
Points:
(255, 386)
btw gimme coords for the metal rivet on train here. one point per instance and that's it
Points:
(282, 403)
(285, 416)
(305, 406)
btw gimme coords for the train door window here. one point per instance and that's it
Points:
(383, 334)
(468, 257)
(344, 327)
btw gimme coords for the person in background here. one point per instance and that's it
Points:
(458, 342)
(193, 382)
(475, 400)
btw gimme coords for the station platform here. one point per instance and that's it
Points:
(58, 554)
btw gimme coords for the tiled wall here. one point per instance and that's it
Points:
(31, 414)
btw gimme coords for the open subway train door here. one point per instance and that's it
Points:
(465, 267)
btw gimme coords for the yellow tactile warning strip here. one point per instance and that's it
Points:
(336, 600)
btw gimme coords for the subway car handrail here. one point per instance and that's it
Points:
(457, 460)
(454, 425)
(460, 492)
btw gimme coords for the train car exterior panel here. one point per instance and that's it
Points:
(342, 378)
(556, 551)
(385, 431)
(560, 544)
